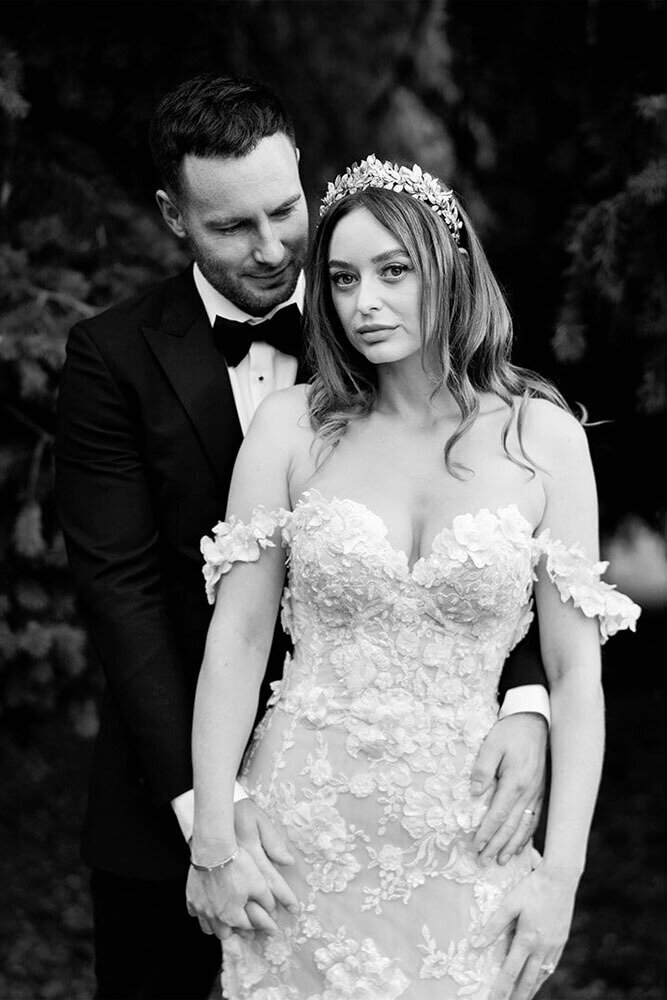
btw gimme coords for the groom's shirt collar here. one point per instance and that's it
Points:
(216, 304)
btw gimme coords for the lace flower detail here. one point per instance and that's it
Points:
(577, 578)
(470, 972)
(245, 967)
(514, 526)
(355, 970)
(388, 728)
(476, 534)
(318, 830)
(235, 541)
(276, 993)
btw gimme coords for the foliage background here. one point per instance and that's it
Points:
(550, 119)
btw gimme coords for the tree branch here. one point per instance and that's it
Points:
(44, 295)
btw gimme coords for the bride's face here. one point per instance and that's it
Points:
(376, 289)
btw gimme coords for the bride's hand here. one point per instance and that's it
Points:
(237, 897)
(542, 905)
(267, 847)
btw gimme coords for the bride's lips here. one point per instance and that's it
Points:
(373, 332)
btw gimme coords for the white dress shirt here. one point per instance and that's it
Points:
(262, 370)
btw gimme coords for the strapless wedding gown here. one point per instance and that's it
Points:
(365, 753)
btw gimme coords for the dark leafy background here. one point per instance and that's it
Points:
(550, 120)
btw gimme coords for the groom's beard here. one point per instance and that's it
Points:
(255, 290)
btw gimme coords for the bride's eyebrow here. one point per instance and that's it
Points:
(379, 259)
(390, 254)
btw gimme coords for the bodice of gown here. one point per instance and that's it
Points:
(379, 644)
(365, 755)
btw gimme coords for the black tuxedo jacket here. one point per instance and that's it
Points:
(147, 437)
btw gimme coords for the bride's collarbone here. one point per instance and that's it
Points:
(412, 491)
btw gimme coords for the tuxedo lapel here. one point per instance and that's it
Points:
(183, 347)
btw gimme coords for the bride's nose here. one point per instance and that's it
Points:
(368, 295)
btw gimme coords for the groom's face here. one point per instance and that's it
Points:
(245, 221)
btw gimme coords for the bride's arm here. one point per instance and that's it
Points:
(237, 647)
(570, 644)
(542, 904)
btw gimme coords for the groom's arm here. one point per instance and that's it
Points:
(108, 520)
(523, 682)
(184, 808)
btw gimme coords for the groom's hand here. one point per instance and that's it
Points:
(513, 760)
(267, 847)
(236, 896)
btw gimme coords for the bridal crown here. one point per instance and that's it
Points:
(373, 173)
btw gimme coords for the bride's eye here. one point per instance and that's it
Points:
(342, 279)
(395, 271)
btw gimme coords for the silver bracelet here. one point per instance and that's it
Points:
(215, 868)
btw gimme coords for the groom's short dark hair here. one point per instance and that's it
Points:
(211, 116)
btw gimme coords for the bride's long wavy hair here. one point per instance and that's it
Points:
(465, 321)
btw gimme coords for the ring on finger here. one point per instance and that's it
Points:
(530, 812)
(548, 968)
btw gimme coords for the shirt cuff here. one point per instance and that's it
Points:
(239, 792)
(184, 807)
(526, 698)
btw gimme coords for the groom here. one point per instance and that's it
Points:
(155, 397)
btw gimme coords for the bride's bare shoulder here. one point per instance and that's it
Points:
(552, 434)
(289, 405)
(283, 412)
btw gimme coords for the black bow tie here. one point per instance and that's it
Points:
(282, 331)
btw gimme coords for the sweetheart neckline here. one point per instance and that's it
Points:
(306, 497)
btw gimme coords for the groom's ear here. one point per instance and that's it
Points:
(170, 213)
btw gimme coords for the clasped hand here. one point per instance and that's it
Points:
(246, 893)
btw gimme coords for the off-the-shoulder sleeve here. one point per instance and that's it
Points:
(577, 579)
(238, 541)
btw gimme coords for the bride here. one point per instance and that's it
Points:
(420, 491)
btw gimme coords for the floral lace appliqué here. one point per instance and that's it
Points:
(577, 579)
(234, 541)
(364, 757)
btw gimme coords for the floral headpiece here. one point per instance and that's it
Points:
(372, 173)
